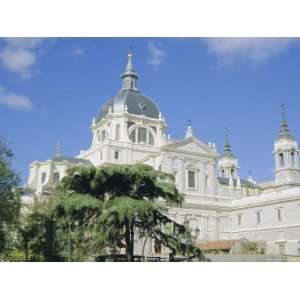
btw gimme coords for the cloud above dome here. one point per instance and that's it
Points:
(253, 50)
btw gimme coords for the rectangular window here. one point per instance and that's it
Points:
(191, 179)
(258, 217)
(281, 248)
(117, 154)
(279, 214)
(239, 220)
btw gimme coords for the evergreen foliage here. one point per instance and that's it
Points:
(9, 196)
(115, 202)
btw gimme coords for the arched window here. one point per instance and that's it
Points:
(56, 177)
(43, 177)
(222, 173)
(132, 136)
(293, 158)
(103, 135)
(118, 129)
(142, 135)
(281, 160)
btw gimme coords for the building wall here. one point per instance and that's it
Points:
(210, 208)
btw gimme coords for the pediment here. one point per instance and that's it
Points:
(192, 145)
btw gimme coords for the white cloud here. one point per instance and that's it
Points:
(26, 43)
(15, 101)
(156, 54)
(77, 51)
(254, 50)
(19, 55)
(18, 61)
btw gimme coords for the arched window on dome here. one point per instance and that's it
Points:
(132, 136)
(118, 131)
(142, 135)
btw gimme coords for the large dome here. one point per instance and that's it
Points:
(129, 98)
(137, 104)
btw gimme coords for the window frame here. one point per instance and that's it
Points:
(117, 154)
(43, 177)
(240, 219)
(279, 215)
(293, 158)
(133, 134)
(118, 132)
(258, 214)
(56, 179)
(188, 171)
(281, 159)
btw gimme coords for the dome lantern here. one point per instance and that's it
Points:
(129, 76)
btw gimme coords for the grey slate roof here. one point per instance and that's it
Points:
(130, 96)
(137, 104)
(72, 160)
(225, 181)
(227, 147)
(284, 128)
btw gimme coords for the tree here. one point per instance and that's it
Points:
(9, 194)
(124, 200)
(75, 216)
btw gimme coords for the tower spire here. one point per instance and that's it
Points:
(129, 76)
(227, 147)
(189, 131)
(58, 150)
(284, 128)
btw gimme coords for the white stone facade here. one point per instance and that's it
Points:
(218, 204)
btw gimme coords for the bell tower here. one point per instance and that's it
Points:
(286, 155)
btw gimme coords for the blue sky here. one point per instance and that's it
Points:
(50, 89)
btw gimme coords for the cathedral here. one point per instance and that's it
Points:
(219, 206)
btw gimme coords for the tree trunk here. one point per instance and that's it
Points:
(26, 250)
(129, 256)
(132, 241)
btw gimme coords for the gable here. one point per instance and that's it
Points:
(192, 146)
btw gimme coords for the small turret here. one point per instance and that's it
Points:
(228, 163)
(286, 154)
(189, 131)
